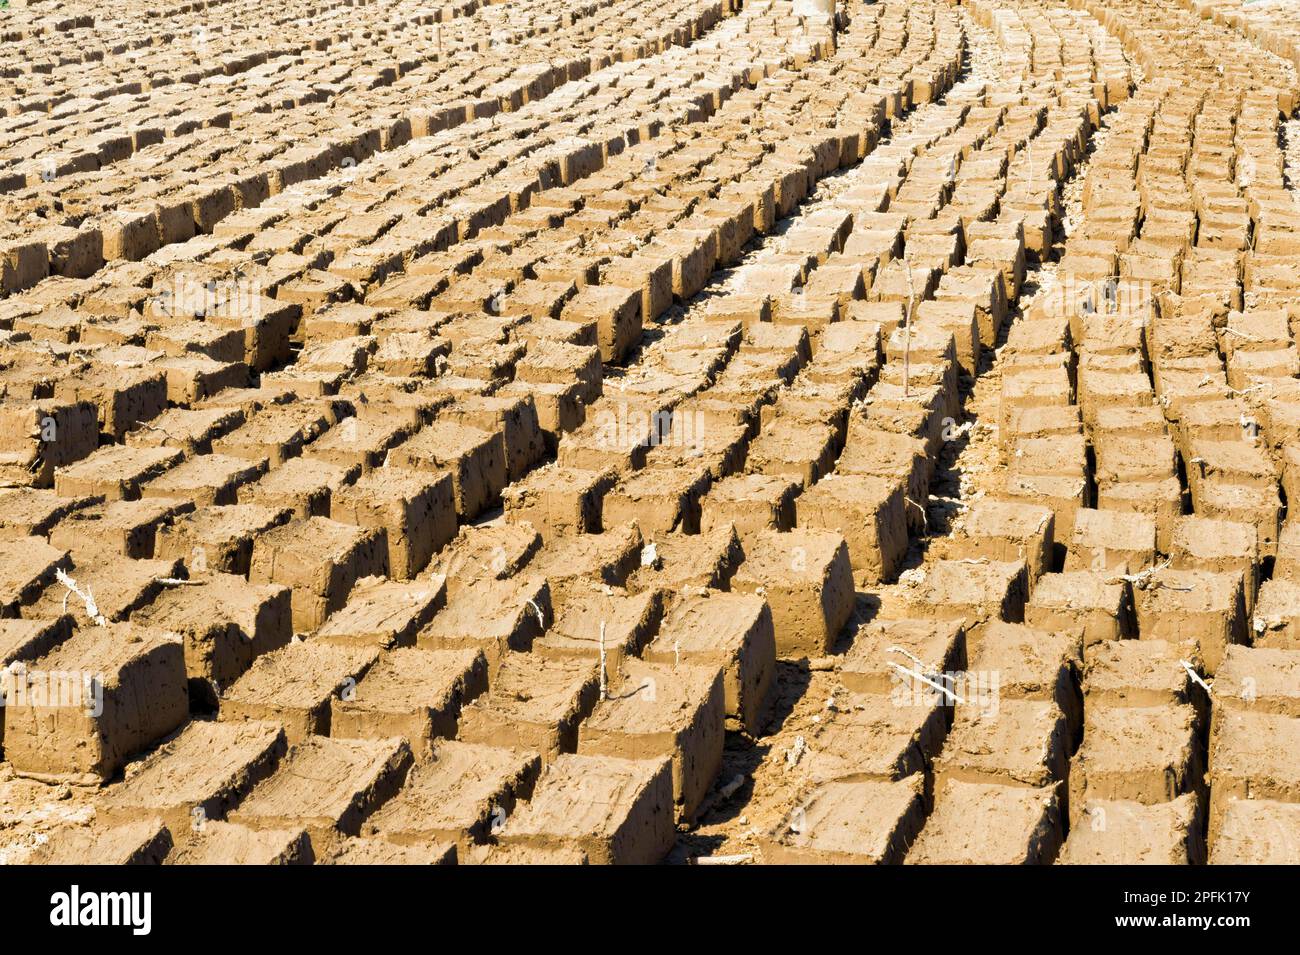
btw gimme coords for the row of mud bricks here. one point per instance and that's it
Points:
(689, 431)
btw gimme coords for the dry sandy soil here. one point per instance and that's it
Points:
(682, 431)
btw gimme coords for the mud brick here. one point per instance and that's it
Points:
(614, 435)
(617, 811)
(1229, 462)
(559, 500)
(625, 621)
(415, 508)
(144, 842)
(495, 616)
(38, 437)
(22, 641)
(790, 447)
(487, 552)
(807, 579)
(1143, 754)
(1158, 501)
(555, 363)
(417, 692)
(659, 499)
(379, 852)
(1113, 541)
(207, 479)
(678, 561)
(249, 401)
(383, 613)
(885, 454)
(301, 485)
(267, 325)
(617, 314)
(225, 624)
(220, 344)
(918, 414)
(1124, 832)
(876, 737)
(1209, 607)
(534, 704)
(1082, 599)
(341, 356)
(275, 434)
(514, 417)
(461, 794)
(327, 786)
(694, 255)
(956, 317)
(748, 308)
(225, 843)
(198, 776)
(1287, 565)
(690, 444)
(1276, 623)
(1258, 832)
(560, 407)
(853, 367)
(869, 666)
(525, 855)
(1006, 532)
(1259, 679)
(79, 712)
(191, 431)
(975, 589)
(1021, 417)
(77, 253)
(981, 824)
(218, 539)
(751, 503)
(538, 299)
(1143, 673)
(194, 377)
(650, 274)
(27, 566)
(128, 528)
(29, 512)
(1123, 459)
(1203, 543)
(1007, 255)
(346, 320)
(124, 396)
(868, 822)
(730, 631)
(1260, 507)
(664, 711)
(475, 459)
(1034, 665)
(869, 511)
(982, 286)
(320, 560)
(1006, 742)
(1252, 756)
(294, 686)
(361, 442)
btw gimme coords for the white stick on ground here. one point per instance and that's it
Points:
(911, 656)
(541, 621)
(907, 331)
(92, 609)
(604, 676)
(1196, 677)
(925, 679)
(739, 859)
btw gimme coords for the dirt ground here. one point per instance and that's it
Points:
(703, 432)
